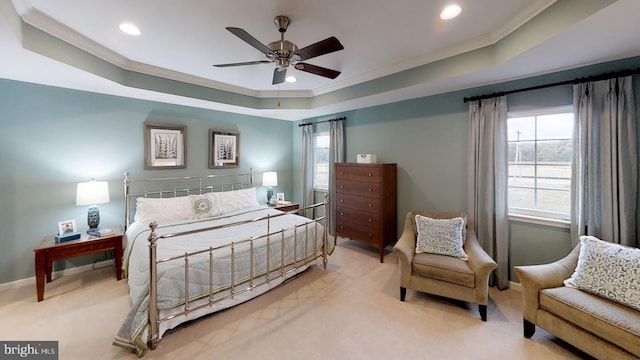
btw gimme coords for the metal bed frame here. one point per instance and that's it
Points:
(202, 185)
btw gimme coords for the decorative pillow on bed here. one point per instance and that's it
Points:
(608, 270)
(162, 209)
(237, 199)
(205, 205)
(440, 236)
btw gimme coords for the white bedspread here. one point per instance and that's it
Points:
(171, 286)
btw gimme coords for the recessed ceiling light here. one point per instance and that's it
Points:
(130, 29)
(290, 79)
(450, 12)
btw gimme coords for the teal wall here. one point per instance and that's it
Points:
(51, 138)
(427, 138)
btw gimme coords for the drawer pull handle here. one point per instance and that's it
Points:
(341, 227)
(341, 172)
(370, 205)
(370, 190)
(341, 200)
(341, 186)
(370, 175)
(341, 214)
(370, 220)
(370, 235)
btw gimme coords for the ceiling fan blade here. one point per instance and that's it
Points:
(279, 74)
(250, 40)
(317, 70)
(322, 47)
(244, 63)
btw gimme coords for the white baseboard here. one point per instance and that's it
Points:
(31, 281)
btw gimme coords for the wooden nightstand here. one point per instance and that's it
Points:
(287, 207)
(49, 251)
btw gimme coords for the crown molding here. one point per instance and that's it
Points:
(38, 19)
(473, 44)
(532, 11)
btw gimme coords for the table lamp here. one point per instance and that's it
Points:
(92, 193)
(270, 179)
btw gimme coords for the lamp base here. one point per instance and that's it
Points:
(93, 217)
(269, 195)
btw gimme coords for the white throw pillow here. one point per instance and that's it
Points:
(205, 206)
(440, 236)
(162, 209)
(608, 270)
(237, 199)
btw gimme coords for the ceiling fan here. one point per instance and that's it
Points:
(285, 53)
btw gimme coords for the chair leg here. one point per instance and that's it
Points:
(483, 312)
(403, 293)
(529, 328)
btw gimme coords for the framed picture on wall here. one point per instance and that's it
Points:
(224, 149)
(164, 146)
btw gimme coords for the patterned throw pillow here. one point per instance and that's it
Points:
(440, 236)
(205, 206)
(608, 270)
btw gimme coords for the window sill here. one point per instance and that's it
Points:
(540, 221)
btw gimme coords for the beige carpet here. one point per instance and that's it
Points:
(350, 310)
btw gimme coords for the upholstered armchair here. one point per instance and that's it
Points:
(443, 275)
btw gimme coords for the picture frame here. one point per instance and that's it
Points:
(165, 146)
(224, 149)
(280, 197)
(67, 227)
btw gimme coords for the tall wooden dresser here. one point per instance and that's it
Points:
(366, 203)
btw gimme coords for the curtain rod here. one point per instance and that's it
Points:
(581, 80)
(323, 121)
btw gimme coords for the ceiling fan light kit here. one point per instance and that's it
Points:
(284, 53)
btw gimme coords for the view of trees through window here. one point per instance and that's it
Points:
(321, 173)
(540, 152)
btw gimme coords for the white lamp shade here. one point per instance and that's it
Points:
(270, 178)
(92, 193)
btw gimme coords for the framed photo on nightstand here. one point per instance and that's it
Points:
(67, 227)
(280, 197)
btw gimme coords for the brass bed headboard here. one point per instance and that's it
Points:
(166, 187)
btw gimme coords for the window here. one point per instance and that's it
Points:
(540, 153)
(321, 161)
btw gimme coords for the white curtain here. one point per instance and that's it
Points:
(487, 181)
(605, 172)
(307, 168)
(336, 155)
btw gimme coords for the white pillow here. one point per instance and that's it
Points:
(205, 206)
(162, 209)
(440, 236)
(608, 270)
(237, 199)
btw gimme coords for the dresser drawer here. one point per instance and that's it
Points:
(346, 215)
(353, 231)
(358, 173)
(363, 204)
(358, 188)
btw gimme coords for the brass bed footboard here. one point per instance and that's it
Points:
(273, 272)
